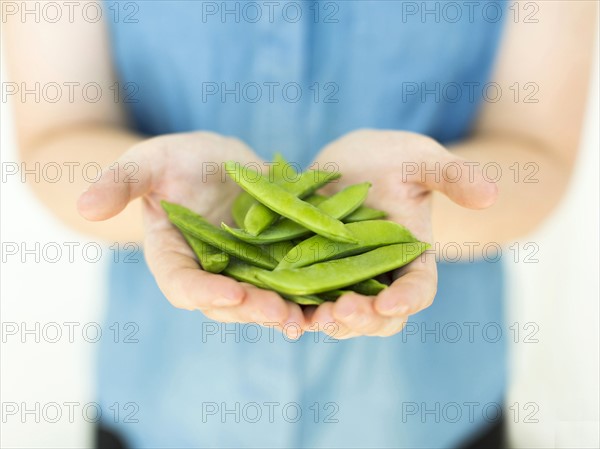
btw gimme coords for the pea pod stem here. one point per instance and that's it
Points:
(245, 272)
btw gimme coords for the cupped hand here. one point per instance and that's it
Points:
(404, 168)
(186, 169)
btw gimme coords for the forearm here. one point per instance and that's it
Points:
(72, 148)
(531, 180)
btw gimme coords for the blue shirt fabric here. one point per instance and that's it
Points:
(293, 83)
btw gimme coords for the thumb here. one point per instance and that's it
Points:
(121, 182)
(460, 180)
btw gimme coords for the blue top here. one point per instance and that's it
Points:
(291, 77)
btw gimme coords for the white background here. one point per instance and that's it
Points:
(558, 374)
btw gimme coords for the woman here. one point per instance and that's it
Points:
(371, 87)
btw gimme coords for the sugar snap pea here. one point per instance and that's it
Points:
(288, 205)
(245, 272)
(351, 247)
(210, 258)
(370, 235)
(333, 295)
(260, 217)
(278, 250)
(315, 199)
(364, 213)
(242, 203)
(370, 287)
(338, 206)
(280, 169)
(193, 224)
(304, 300)
(339, 273)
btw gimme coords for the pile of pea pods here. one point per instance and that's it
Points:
(307, 247)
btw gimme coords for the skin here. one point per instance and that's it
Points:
(555, 53)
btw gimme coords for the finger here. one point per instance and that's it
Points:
(295, 325)
(460, 180)
(295, 318)
(128, 178)
(264, 308)
(176, 271)
(356, 312)
(252, 310)
(392, 327)
(413, 291)
(324, 321)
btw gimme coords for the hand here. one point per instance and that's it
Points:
(172, 167)
(394, 162)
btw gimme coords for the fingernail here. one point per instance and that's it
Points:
(223, 301)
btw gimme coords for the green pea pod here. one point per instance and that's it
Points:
(279, 170)
(278, 250)
(336, 206)
(260, 217)
(195, 225)
(370, 235)
(242, 203)
(287, 204)
(210, 258)
(332, 295)
(245, 272)
(315, 199)
(370, 287)
(364, 213)
(340, 273)
(305, 300)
